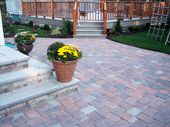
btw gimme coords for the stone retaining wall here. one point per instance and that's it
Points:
(58, 22)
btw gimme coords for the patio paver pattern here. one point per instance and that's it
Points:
(120, 86)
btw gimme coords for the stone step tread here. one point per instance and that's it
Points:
(89, 30)
(32, 92)
(35, 68)
(10, 56)
(90, 35)
(91, 26)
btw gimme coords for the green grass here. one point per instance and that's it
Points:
(41, 33)
(140, 40)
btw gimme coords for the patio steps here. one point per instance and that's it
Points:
(11, 63)
(28, 87)
(88, 29)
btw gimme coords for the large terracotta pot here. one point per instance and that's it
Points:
(64, 71)
(25, 49)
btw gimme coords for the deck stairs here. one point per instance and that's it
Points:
(26, 83)
(89, 29)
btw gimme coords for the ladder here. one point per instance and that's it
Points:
(158, 20)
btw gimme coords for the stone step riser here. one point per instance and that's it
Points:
(91, 23)
(13, 67)
(89, 28)
(24, 83)
(29, 104)
(89, 32)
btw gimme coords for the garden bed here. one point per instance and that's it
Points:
(68, 35)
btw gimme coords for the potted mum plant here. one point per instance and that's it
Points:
(64, 58)
(24, 42)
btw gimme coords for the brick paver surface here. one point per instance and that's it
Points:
(120, 86)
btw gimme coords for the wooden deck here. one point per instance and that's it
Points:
(92, 11)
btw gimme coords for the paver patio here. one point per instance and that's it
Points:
(121, 86)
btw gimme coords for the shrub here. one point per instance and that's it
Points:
(63, 32)
(136, 28)
(67, 25)
(130, 28)
(6, 27)
(46, 27)
(17, 23)
(147, 26)
(113, 31)
(30, 23)
(118, 26)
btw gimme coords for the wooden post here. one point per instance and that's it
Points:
(105, 17)
(131, 9)
(151, 10)
(74, 18)
(52, 5)
(141, 11)
(36, 8)
(22, 7)
(2, 42)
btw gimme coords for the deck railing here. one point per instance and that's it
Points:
(94, 11)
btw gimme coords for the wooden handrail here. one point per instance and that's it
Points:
(104, 17)
(108, 8)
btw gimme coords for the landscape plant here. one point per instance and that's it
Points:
(118, 26)
(67, 25)
(30, 23)
(63, 52)
(46, 27)
(24, 38)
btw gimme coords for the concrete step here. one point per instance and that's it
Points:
(34, 95)
(35, 73)
(11, 60)
(89, 31)
(102, 36)
(90, 23)
(89, 27)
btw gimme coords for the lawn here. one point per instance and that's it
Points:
(41, 33)
(140, 40)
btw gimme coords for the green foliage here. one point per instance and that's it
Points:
(3, 7)
(30, 23)
(63, 32)
(6, 27)
(147, 25)
(52, 51)
(24, 39)
(55, 31)
(136, 28)
(41, 33)
(130, 28)
(67, 25)
(113, 31)
(46, 27)
(63, 53)
(118, 26)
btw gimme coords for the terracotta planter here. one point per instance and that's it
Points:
(64, 71)
(25, 49)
